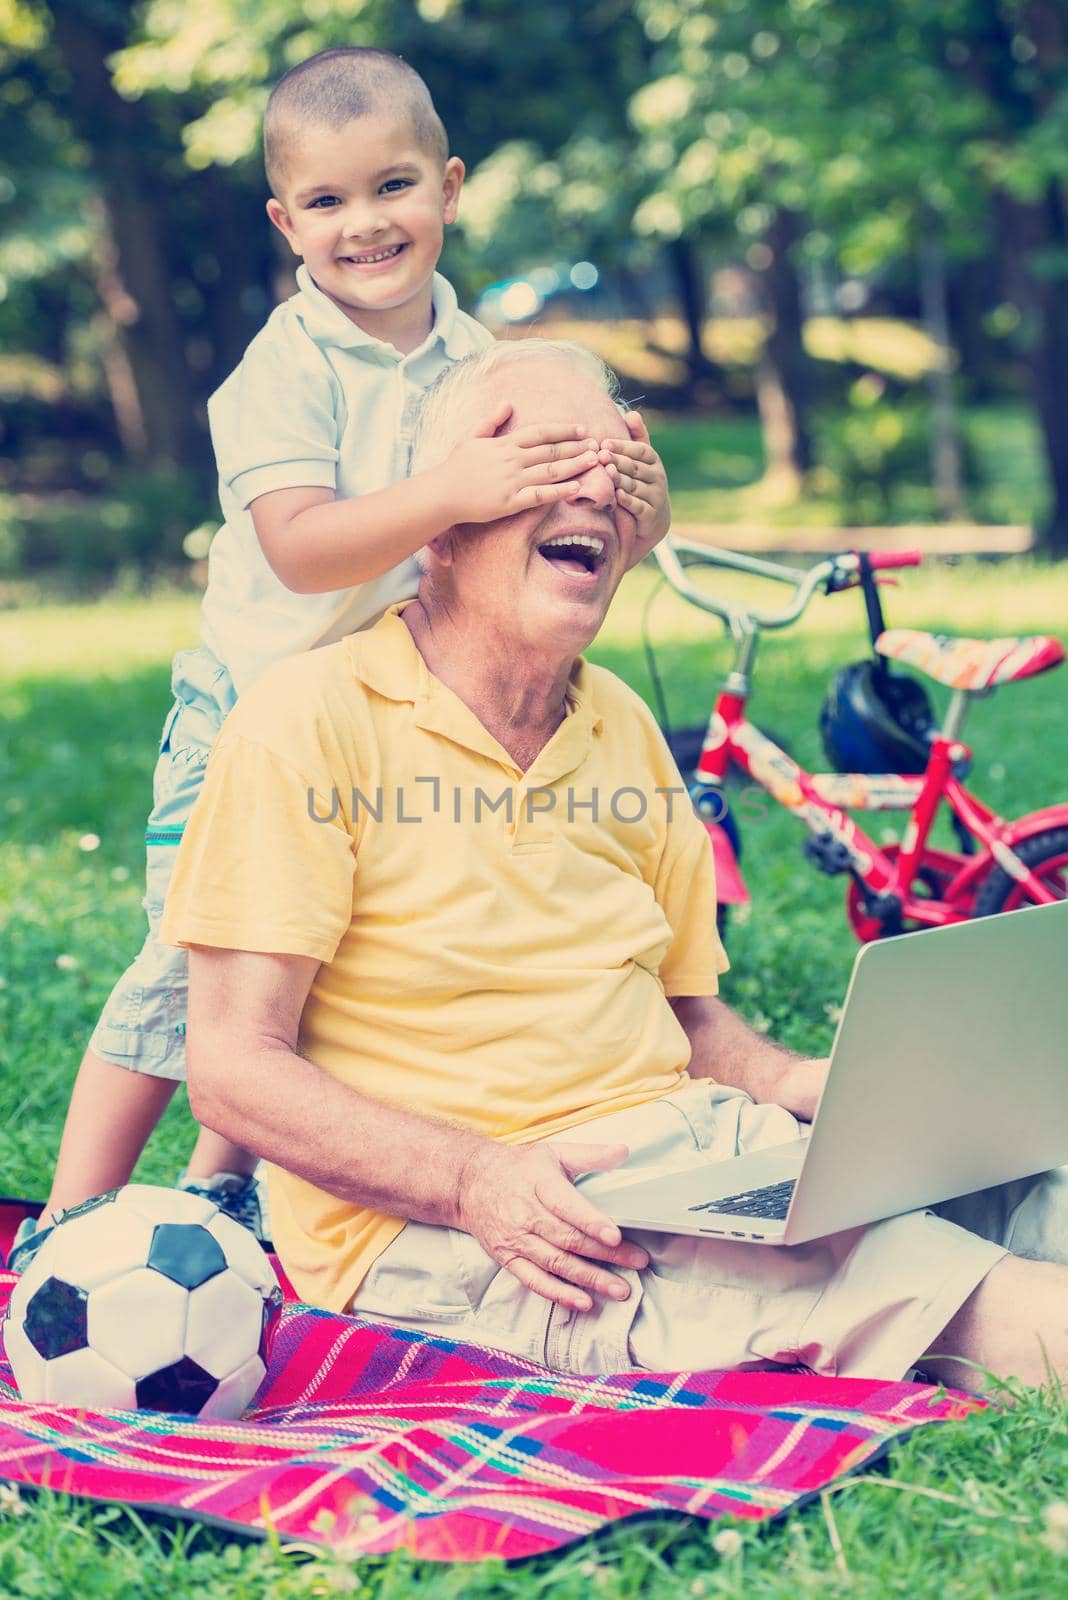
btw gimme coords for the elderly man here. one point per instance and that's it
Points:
(453, 942)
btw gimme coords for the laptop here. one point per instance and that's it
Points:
(949, 1074)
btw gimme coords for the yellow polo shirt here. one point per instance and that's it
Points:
(497, 946)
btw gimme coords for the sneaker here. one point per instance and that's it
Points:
(28, 1240)
(235, 1193)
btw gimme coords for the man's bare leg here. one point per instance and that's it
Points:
(111, 1114)
(1014, 1325)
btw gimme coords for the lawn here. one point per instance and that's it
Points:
(971, 1509)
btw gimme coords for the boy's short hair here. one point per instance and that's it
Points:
(333, 87)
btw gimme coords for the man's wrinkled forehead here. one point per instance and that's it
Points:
(555, 391)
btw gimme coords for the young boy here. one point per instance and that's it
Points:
(312, 435)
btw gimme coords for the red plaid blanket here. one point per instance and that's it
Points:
(369, 1439)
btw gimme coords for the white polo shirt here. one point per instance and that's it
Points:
(315, 402)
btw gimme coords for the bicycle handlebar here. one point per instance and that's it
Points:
(834, 572)
(878, 559)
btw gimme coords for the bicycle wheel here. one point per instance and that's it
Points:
(935, 873)
(1046, 854)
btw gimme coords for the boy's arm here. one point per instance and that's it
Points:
(315, 542)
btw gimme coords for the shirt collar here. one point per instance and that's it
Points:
(386, 660)
(327, 324)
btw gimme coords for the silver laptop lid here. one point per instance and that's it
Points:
(949, 1070)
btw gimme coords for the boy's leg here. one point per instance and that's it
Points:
(225, 1173)
(213, 1154)
(136, 1057)
(112, 1112)
(204, 695)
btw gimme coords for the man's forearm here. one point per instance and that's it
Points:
(725, 1048)
(283, 1107)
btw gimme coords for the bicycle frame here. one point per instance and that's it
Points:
(885, 877)
(910, 883)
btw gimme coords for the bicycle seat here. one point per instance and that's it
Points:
(971, 663)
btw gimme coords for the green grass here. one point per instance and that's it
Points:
(82, 696)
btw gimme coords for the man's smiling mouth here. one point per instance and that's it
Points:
(578, 554)
(370, 258)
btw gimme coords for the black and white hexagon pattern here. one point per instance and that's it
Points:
(145, 1297)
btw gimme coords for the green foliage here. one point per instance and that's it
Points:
(973, 1509)
(45, 192)
(869, 450)
(865, 118)
(140, 524)
(873, 466)
(875, 451)
(605, 130)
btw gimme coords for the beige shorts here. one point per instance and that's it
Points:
(866, 1303)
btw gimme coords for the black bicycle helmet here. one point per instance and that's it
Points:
(876, 721)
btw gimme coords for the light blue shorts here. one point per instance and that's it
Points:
(142, 1025)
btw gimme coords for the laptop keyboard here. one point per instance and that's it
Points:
(773, 1202)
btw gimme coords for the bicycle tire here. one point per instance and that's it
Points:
(1048, 849)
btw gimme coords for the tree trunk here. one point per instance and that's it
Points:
(155, 416)
(1034, 235)
(1047, 24)
(239, 296)
(971, 290)
(784, 374)
(688, 274)
(118, 310)
(947, 472)
(636, 300)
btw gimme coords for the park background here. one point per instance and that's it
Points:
(825, 244)
(824, 241)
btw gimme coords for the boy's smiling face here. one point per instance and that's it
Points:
(366, 206)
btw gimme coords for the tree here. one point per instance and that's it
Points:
(46, 235)
(722, 127)
(132, 259)
(111, 225)
(926, 132)
(514, 98)
(1014, 57)
(889, 127)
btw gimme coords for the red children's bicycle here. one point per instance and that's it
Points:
(880, 733)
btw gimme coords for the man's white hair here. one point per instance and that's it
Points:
(445, 412)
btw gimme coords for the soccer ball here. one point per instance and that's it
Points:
(144, 1298)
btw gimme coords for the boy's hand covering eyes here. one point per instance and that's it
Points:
(641, 482)
(491, 476)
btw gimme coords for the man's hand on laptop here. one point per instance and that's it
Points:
(725, 1048)
(519, 1202)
